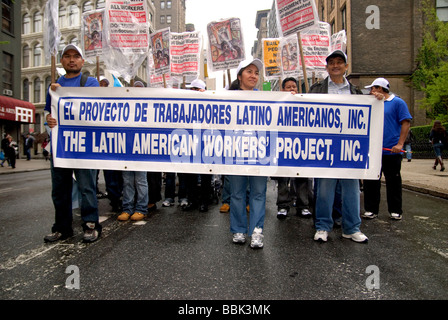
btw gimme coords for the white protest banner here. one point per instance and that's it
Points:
(160, 44)
(185, 50)
(126, 35)
(92, 34)
(295, 15)
(339, 41)
(156, 81)
(289, 47)
(52, 35)
(218, 132)
(226, 45)
(271, 59)
(316, 47)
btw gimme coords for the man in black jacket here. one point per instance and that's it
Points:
(326, 188)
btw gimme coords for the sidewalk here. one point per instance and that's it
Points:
(417, 175)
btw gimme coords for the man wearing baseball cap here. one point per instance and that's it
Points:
(62, 178)
(327, 189)
(397, 121)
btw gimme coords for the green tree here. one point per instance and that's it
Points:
(431, 74)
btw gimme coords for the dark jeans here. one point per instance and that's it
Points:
(391, 167)
(62, 183)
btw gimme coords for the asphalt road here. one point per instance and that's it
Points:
(187, 256)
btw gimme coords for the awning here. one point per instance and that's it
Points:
(17, 110)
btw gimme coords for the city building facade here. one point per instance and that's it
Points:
(35, 69)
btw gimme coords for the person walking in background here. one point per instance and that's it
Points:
(247, 79)
(62, 178)
(11, 151)
(29, 142)
(397, 121)
(439, 139)
(408, 145)
(5, 145)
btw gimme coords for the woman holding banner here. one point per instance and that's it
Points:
(247, 79)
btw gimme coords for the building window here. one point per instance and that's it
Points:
(344, 18)
(37, 55)
(26, 90)
(26, 24)
(162, 5)
(73, 15)
(37, 89)
(87, 6)
(100, 4)
(26, 57)
(8, 68)
(162, 19)
(442, 10)
(62, 17)
(168, 4)
(7, 15)
(168, 19)
(37, 22)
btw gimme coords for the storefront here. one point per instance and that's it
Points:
(14, 113)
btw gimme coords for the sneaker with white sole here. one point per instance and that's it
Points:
(281, 214)
(256, 241)
(395, 216)
(239, 238)
(305, 213)
(168, 202)
(92, 232)
(369, 215)
(321, 235)
(357, 237)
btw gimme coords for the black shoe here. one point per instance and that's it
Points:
(56, 236)
(190, 206)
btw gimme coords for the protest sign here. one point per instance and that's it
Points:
(316, 47)
(289, 47)
(226, 45)
(295, 15)
(185, 50)
(126, 36)
(339, 41)
(218, 132)
(92, 34)
(52, 35)
(160, 44)
(271, 59)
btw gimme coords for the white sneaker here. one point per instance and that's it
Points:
(306, 213)
(395, 216)
(256, 241)
(239, 238)
(321, 235)
(369, 215)
(183, 203)
(281, 214)
(357, 237)
(167, 203)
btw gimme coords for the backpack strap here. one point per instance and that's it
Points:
(84, 78)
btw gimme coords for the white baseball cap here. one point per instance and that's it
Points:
(381, 82)
(196, 83)
(72, 47)
(243, 64)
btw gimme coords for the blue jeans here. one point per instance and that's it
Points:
(325, 195)
(135, 182)
(257, 203)
(62, 182)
